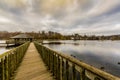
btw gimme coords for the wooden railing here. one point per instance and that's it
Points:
(65, 67)
(10, 60)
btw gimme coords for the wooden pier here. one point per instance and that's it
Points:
(32, 67)
(38, 62)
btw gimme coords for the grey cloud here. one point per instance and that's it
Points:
(82, 16)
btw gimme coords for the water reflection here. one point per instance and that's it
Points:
(3, 47)
(101, 54)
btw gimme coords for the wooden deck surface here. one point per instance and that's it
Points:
(32, 67)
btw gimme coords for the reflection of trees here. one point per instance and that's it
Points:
(94, 37)
(76, 44)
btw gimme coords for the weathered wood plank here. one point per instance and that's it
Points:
(32, 67)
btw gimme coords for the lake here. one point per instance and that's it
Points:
(100, 54)
(2, 47)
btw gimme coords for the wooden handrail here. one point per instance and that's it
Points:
(65, 67)
(9, 61)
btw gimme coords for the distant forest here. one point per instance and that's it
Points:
(58, 36)
(36, 35)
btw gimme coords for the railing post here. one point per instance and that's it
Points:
(73, 72)
(63, 67)
(6, 68)
(58, 68)
(67, 70)
(0, 70)
(10, 63)
(3, 69)
(48, 59)
(15, 59)
(51, 61)
(83, 74)
(53, 64)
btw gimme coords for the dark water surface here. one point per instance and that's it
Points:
(96, 53)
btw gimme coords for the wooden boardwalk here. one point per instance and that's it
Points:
(32, 67)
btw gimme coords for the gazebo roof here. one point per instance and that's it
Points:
(21, 36)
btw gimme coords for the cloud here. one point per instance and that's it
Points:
(65, 16)
(4, 20)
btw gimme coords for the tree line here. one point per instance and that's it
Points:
(50, 35)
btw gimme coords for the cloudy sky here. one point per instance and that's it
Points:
(65, 16)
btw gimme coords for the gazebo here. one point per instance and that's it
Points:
(21, 38)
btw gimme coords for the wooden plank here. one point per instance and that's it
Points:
(32, 67)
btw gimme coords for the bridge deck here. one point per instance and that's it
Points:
(32, 67)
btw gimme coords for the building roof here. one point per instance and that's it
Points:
(21, 36)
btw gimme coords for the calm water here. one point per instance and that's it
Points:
(96, 53)
(2, 47)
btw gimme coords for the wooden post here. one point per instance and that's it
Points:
(83, 74)
(63, 67)
(3, 69)
(6, 68)
(0, 70)
(51, 62)
(58, 68)
(53, 65)
(67, 70)
(10, 64)
(73, 72)
(48, 59)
